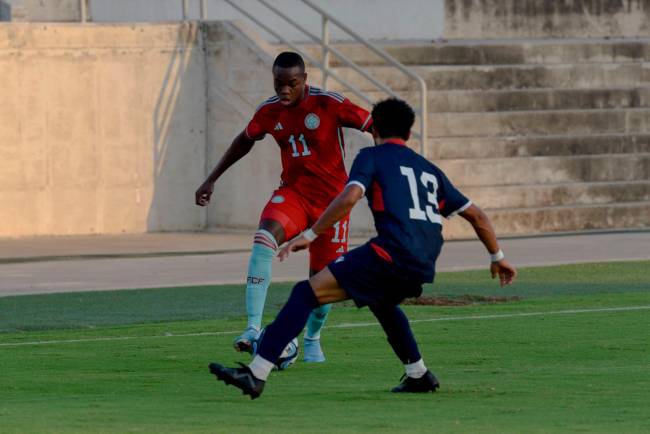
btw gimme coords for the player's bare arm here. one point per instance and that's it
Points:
(339, 208)
(239, 147)
(485, 232)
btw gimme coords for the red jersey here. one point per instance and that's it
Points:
(310, 139)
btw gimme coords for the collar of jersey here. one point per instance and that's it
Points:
(397, 142)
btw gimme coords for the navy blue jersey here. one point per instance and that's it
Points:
(408, 197)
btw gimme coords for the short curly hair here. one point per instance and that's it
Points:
(289, 59)
(393, 117)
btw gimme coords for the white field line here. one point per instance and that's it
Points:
(340, 326)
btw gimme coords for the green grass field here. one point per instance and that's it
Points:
(571, 355)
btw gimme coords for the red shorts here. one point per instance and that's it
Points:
(295, 214)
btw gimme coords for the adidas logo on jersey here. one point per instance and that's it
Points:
(278, 126)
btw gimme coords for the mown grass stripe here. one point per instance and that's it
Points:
(340, 326)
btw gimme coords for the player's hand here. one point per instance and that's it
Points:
(505, 271)
(298, 243)
(203, 194)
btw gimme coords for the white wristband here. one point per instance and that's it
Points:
(309, 235)
(496, 257)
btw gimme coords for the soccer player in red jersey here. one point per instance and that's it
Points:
(306, 123)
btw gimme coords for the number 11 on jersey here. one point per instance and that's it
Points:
(294, 146)
(341, 232)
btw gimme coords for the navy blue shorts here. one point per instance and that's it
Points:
(371, 280)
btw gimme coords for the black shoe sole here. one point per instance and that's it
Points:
(416, 391)
(226, 378)
(433, 388)
(243, 347)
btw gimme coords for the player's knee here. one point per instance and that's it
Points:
(380, 310)
(273, 229)
(303, 291)
(389, 315)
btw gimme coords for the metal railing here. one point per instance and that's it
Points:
(83, 10)
(203, 10)
(327, 48)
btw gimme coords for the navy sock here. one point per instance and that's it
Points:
(398, 331)
(289, 322)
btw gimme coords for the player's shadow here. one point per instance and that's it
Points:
(178, 123)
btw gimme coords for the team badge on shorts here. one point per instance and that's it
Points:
(277, 199)
(312, 121)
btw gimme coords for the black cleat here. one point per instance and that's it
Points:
(427, 383)
(242, 378)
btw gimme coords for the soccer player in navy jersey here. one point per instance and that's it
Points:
(306, 123)
(408, 196)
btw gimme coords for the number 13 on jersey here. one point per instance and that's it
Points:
(430, 183)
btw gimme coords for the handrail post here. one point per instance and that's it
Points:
(424, 113)
(204, 10)
(83, 10)
(186, 9)
(326, 52)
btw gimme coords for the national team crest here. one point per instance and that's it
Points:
(312, 121)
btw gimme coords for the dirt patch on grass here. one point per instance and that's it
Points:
(462, 300)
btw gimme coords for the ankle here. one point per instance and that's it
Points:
(416, 369)
(260, 368)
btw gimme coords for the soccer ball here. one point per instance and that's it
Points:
(288, 356)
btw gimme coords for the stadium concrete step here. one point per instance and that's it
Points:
(544, 51)
(536, 146)
(547, 170)
(570, 218)
(539, 122)
(523, 99)
(546, 195)
(545, 135)
(559, 76)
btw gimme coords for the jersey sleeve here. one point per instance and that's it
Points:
(363, 170)
(450, 200)
(351, 115)
(256, 128)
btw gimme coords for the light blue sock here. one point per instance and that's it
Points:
(259, 276)
(316, 321)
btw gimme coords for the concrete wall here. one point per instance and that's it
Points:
(103, 128)
(374, 19)
(238, 80)
(111, 128)
(478, 19)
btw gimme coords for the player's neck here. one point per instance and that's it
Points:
(395, 140)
